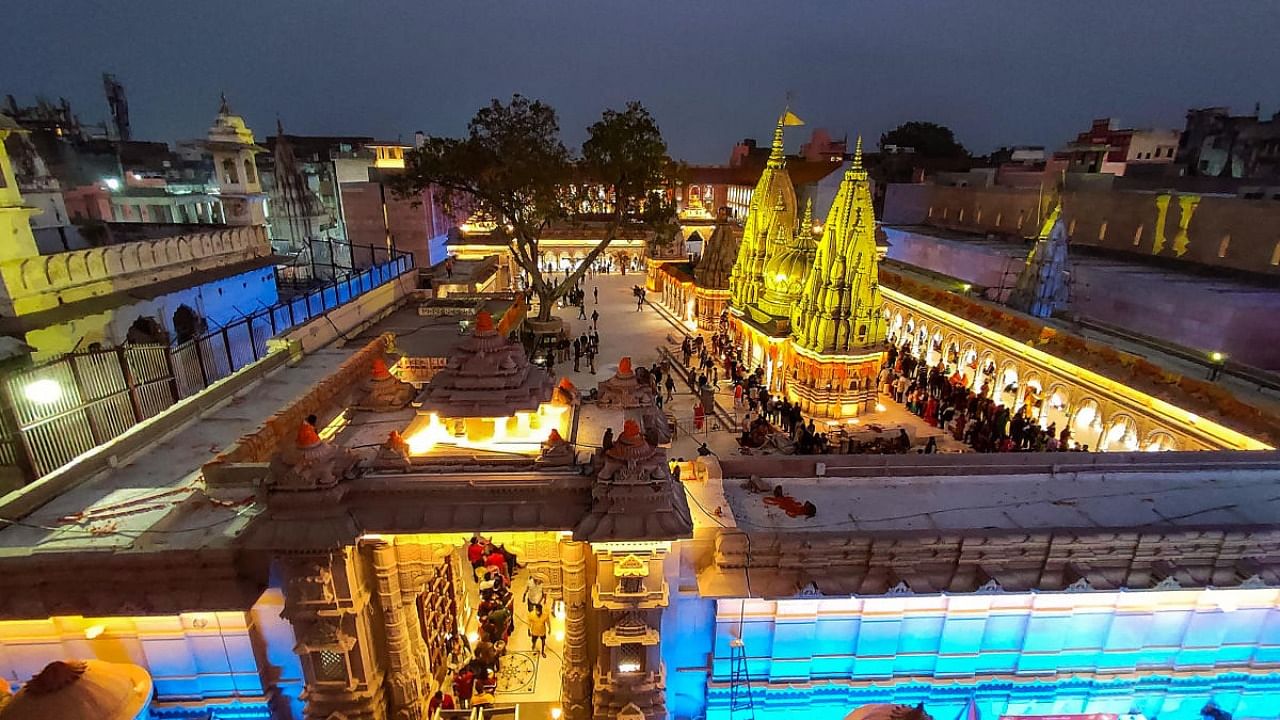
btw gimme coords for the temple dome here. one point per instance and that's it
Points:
(488, 376)
(82, 690)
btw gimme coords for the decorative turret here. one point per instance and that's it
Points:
(231, 143)
(840, 308)
(785, 274)
(770, 219)
(15, 217)
(634, 496)
(718, 255)
(1042, 284)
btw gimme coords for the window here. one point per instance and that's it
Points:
(1275, 254)
(1137, 236)
(960, 217)
(631, 658)
(1102, 231)
(330, 666)
(1071, 229)
(248, 170)
(1223, 245)
(229, 170)
(999, 219)
(631, 585)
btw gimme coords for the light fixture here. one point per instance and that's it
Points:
(556, 712)
(1217, 356)
(112, 184)
(966, 287)
(879, 407)
(94, 631)
(44, 391)
(473, 637)
(628, 666)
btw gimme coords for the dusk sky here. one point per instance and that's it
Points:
(711, 72)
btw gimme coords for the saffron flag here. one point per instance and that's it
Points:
(790, 119)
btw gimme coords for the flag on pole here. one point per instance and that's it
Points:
(790, 119)
(970, 711)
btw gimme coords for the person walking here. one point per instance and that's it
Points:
(582, 311)
(596, 291)
(534, 592)
(538, 616)
(595, 318)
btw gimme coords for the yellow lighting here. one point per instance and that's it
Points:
(780, 277)
(94, 631)
(558, 609)
(473, 637)
(879, 407)
(628, 666)
(556, 713)
(43, 392)
(558, 635)
(966, 287)
(334, 427)
(1217, 356)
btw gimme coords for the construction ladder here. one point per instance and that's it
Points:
(739, 682)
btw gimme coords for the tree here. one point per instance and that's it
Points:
(929, 140)
(513, 169)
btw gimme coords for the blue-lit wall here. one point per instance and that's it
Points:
(1163, 653)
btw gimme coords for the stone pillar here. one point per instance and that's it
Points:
(575, 694)
(404, 675)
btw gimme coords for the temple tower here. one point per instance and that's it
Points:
(771, 217)
(838, 326)
(637, 510)
(233, 149)
(298, 216)
(711, 291)
(1042, 284)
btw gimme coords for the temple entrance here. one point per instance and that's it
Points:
(460, 610)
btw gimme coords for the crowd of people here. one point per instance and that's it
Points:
(475, 679)
(973, 417)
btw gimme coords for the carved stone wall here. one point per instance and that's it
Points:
(842, 564)
(629, 595)
(329, 602)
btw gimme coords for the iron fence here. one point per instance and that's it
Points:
(55, 411)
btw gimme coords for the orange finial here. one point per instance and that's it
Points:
(307, 436)
(484, 321)
(554, 436)
(378, 369)
(566, 384)
(396, 441)
(624, 365)
(630, 429)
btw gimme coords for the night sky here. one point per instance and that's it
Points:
(1020, 71)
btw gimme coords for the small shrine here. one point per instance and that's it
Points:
(311, 463)
(383, 392)
(634, 496)
(488, 396)
(624, 390)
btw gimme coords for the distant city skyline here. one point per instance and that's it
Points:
(997, 73)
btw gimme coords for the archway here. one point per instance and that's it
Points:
(146, 330)
(1086, 422)
(187, 324)
(934, 353)
(1160, 441)
(1006, 390)
(1121, 435)
(1031, 396)
(1057, 406)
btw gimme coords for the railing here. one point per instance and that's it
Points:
(65, 407)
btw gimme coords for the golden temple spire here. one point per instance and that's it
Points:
(777, 154)
(806, 225)
(856, 167)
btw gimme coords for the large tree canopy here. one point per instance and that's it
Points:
(930, 140)
(512, 168)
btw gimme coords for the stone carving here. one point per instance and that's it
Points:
(384, 392)
(625, 390)
(311, 463)
(556, 450)
(634, 496)
(488, 376)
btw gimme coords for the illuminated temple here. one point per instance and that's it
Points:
(293, 545)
